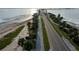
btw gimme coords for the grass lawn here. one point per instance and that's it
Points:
(7, 39)
(62, 33)
(45, 37)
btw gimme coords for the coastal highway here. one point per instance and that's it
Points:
(55, 41)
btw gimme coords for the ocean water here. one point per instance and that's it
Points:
(1, 21)
(71, 15)
(12, 12)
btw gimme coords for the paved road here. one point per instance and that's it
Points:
(55, 41)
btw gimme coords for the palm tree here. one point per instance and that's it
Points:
(73, 32)
(20, 42)
(63, 24)
(76, 40)
(58, 19)
(29, 26)
(52, 16)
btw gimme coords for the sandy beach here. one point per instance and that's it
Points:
(14, 46)
(7, 27)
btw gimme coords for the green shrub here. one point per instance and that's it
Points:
(28, 45)
(45, 36)
(21, 41)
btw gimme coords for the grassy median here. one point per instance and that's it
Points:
(7, 39)
(45, 37)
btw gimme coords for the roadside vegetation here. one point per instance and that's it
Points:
(45, 37)
(65, 29)
(7, 39)
(29, 42)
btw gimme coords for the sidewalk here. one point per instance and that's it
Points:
(14, 46)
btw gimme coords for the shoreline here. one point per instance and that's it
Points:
(7, 27)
